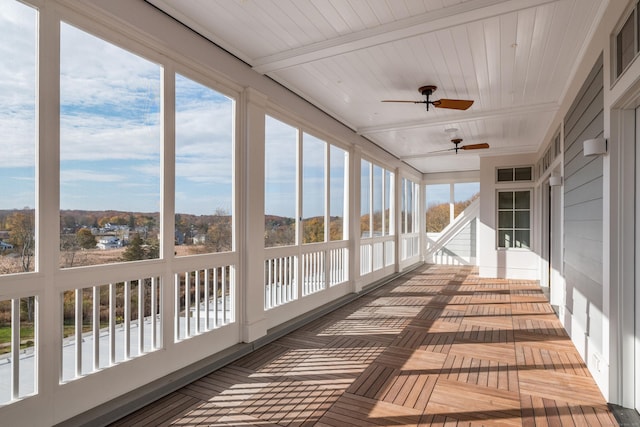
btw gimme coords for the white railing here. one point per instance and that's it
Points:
(389, 253)
(436, 242)
(308, 266)
(313, 272)
(376, 253)
(366, 263)
(108, 324)
(338, 266)
(378, 256)
(205, 300)
(280, 280)
(410, 244)
(18, 358)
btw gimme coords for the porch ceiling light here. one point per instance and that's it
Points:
(594, 147)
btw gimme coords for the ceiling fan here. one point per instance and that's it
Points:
(427, 91)
(456, 142)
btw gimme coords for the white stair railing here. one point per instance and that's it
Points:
(434, 246)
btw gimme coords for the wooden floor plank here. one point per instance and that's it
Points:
(437, 347)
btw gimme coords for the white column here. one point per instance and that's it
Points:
(397, 208)
(251, 215)
(355, 161)
(48, 323)
(422, 215)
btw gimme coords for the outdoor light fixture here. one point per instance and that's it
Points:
(555, 180)
(594, 147)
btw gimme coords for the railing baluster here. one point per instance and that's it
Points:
(15, 348)
(140, 316)
(152, 313)
(112, 324)
(207, 321)
(78, 331)
(127, 320)
(197, 300)
(224, 295)
(96, 328)
(187, 304)
(215, 306)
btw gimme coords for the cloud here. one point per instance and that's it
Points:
(82, 176)
(17, 84)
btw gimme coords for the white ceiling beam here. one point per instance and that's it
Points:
(547, 107)
(460, 14)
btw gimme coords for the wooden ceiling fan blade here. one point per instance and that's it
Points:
(398, 100)
(455, 104)
(474, 146)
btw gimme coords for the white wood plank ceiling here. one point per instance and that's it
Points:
(514, 58)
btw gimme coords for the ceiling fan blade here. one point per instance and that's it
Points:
(474, 146)
(455, 104)
(397, 100)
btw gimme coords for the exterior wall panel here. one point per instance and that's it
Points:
(583, 216)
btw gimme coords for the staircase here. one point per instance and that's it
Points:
(456, 244)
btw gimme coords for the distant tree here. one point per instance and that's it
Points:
(279, 231)
(219, 237)
(22, 234)
(69, 247)
(364, 225)
(68, 222)
(437, 217)
(86, 240)
(458, 207)
(21, 227)
(335, 228)
(152, 251)
(377, 222)
(134, 250)
(313, 230)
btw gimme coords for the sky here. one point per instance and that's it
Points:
(17, 104)
(110, 134)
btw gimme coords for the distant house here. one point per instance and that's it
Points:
(109, 242)
(199, 239)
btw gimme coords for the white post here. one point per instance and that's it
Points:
(251, 181)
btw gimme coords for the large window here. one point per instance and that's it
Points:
(314, 153)
(305, 169)
(438, 197)
(18, 141)
(365, 198)
(339, 161)
(280, 198)
(514, 219)
(376, 192)
(446, 202)
(109, 152)
(409, 206)
(204, 169)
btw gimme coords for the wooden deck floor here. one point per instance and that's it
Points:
(437, 347)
